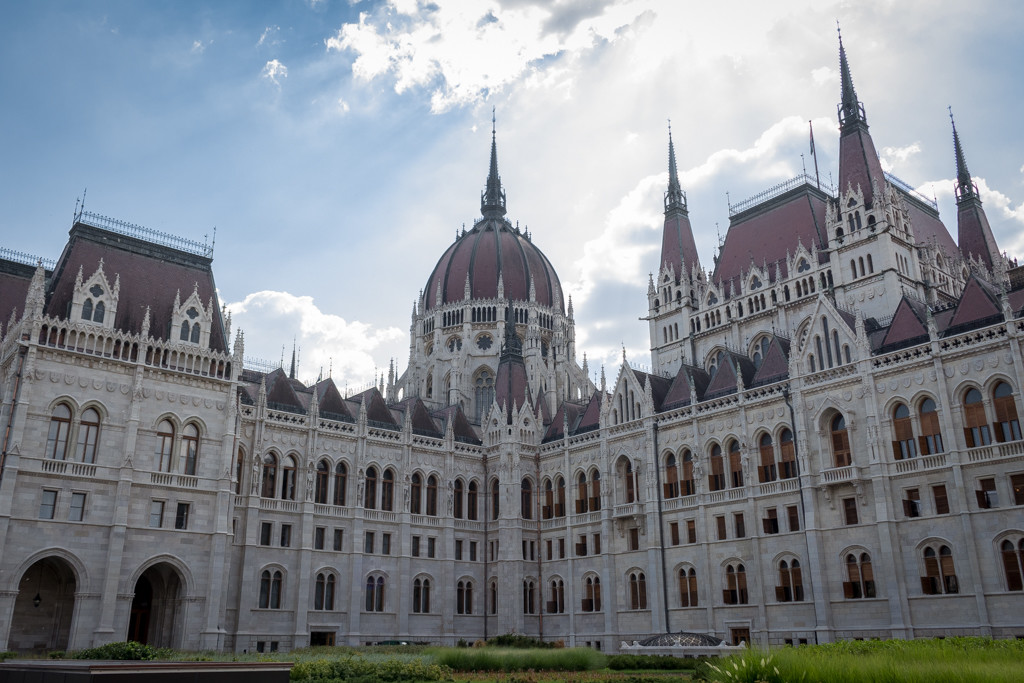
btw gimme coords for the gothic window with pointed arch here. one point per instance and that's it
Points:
(860, 577)
(841, 454)
(458, 502)
(483, 392)
(637, 590)
(791, 585)
(415, 493)
(716, 479)
(671, 477)
(526, 499)
(1007, 424)
(190, 447)
(374, 593)
(269, 478)
(340, 483)
(387, 490)
(976, 429)
(1013, 563)
(464, 597)
(931, 433)
(289, 471)
(687, 587)
(471, 501)
(323, 596)
(735, 592)
(431, 507)
(767, 471)
(60, 427)
(421, 596)
(370, 491)
(940, 573)
(164, 445)
(323, 481)
(591, 594)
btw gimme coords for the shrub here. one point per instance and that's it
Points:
(358, 669)
(650, 662)
(546, 659)
(7, 654)
(129, 650)
(518, 641)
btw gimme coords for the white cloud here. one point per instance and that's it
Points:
(464, 50)
(824, 75)
(274, 70)
(893, 157)
(268, 36)
(342, 106)
(327, 341)
(198, 46)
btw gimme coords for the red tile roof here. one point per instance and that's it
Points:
(151, 275)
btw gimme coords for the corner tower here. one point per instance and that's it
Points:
(974, 235)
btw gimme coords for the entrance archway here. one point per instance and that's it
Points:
(44, 608)
(155, 615)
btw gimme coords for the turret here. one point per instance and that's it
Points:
(974, 236)
(858, 160)
(678, 248)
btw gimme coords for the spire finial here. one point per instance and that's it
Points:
(964, 186)
(850, 110)
(674, 196)
(492, 201)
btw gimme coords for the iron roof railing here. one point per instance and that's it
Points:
(147, 234)
(26, 259)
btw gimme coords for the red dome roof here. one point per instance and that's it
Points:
(491, 248)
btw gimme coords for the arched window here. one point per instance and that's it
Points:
(560, 497)
(483, 392)
(931, 434)
(420, 596)
(415, 493)
(529, 597)
(288, 471)
(1013, 564)
(787, 461)
(671, 477)
(840, 442)
(637, 590)
(370, 494)
(903, 443)
(183, 336)
(581, 494)
(87, 310)
(860, 576)
(526, 499)
(323, 482)
(628, 481)
(940, 575)
(592, 594)
(432, 496)
(976, 430)
(164, 445)
(556, 605)
(687, 587)
(766, 472)
(374, 594)
(1007, 425)
(387, 491)
(97, 316)
(239, 470)
(195, 333)
(323, 597)
(88, 436)
(459, 490)
(464, 597)
(495, 501)
(494, 597)
(269, 476)
(687, 486)
(190, 445)
(471, 501)
(270, 589)
(735, 592)
(735, 464)
(716, 480)
(595, 491)
(340, 483)
(791, 586)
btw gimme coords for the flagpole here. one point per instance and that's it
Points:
(815, 155)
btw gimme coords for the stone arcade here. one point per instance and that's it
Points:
(828, 445)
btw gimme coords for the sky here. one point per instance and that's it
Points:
(336, 146)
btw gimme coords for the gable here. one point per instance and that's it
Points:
(775, 365)
(908, 325)
(976, 306)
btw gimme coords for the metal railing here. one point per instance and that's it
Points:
(777, 190)
(26, 259)
(147, 234)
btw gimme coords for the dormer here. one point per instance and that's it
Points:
(191, 321)
(94, 300)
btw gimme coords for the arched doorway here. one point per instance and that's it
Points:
(44, 608)
(155, 617)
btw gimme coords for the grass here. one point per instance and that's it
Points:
(957, 660)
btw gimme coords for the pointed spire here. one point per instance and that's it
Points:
(512, 347)
(492, 201)
(291, 372)
(675, 199)
(850, 109)
(965, 188)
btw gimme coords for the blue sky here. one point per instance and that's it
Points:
(337, 146)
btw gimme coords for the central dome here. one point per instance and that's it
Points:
(493, 250)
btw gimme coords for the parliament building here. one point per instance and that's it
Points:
(827, 446)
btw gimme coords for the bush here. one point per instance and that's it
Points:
(650, 662)
(7, 654)
(361, 670)
(129, 650)
(519, 641)
(546, 659)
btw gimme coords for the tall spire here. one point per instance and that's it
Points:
(850, 109)
(492, 200)
(964, 186)
(678, 248)
(674, 197)
(974, 234)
